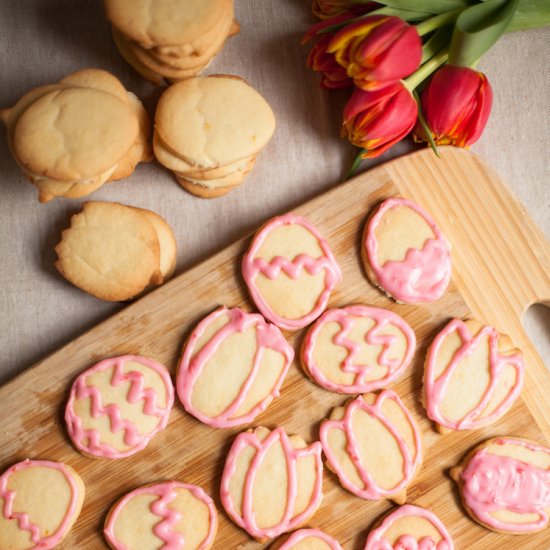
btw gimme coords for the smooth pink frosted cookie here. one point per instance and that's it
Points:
(272, 482)
(162, 516)
(373, 445)
(307, 539)
(232, 367)
(472, 376)
(357, 349)
(410, 528)
(39, 502)
(405, 253)
(118, 405)
(290, 271)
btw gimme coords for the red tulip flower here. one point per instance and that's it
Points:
(456, 105)
(377, 50)
(333, 74)
(324, 9)
(377, 119)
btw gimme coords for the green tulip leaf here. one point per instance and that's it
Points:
(530, 14)
(426, 6)
(406, 15)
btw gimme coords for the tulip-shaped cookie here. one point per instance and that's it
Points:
(374, 446)
(307, 539)
(472, 376)
(505, 485)
(271, 482)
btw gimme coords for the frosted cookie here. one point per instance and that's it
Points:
(405, 253)
(232, 367)
(290, 271)
(357, 349)
(504, 484)
(39, 502)
(271, 482)
(307, 539)
(117, 406)
(409, 527)
(169, 515)
(115, 252)
(374, 446)
(472, 376)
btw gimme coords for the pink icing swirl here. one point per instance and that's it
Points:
(191, 366)
(435, 389)
(423, 275)
(246, 518)
(412, 458)
(271, 269)
(492, 482)
(303, 534)
(346, 318)
(24, 523)
(89, 440)
(165, 529)
(377, 540)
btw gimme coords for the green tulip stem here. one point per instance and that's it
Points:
(425, 127)
(427, 69)
(356, 163)
(437, 21)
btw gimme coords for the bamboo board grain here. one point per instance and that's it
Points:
(501, 265)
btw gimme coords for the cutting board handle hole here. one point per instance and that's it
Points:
(536, 322)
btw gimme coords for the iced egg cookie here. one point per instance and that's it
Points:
(410, 527)
(504, 484)
(162, 516)
(290, 271)
(39, 502)
(472, 376)
(307, 539)
(374, 446)
(405, 253)
(357, 349)
(232, 367)
(271, 482)
(118, 405)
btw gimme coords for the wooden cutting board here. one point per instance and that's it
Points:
(501, 265)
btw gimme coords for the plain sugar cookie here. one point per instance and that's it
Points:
(118, 405)
(307, 539)
(39, 502)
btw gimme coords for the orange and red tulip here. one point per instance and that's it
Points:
(323, 9)
(333, 74)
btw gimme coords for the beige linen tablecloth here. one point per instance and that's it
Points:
(43, 40)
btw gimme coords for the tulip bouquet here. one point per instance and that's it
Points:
(412, 65)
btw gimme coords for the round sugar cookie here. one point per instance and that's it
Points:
(405, 253)
(271, 482)
(307, 539)
(374, 446)
(232, 367)
(39, 502)
(504, 485)
(472, 376)
(117, 406)
(169, 515)
(409, 527)
(290, 271)
(357, 349)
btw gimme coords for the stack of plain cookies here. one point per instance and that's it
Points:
(170, 39)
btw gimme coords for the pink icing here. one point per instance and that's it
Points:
(252, 266)
(89, 441)
(423, 275)
(492, 482)
(345, 317)
(267, 337)
(302, 534)
(23, 521)
(246, 518)
(371, 490)
(377, 541)
(435, 388)
(165, 528)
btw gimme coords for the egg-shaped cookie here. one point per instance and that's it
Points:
(290, 271)
(374, 446)
(271, 482)
(307, 539)
(472, 376)
(40, 501)
(357, 349)
(171, 514)
(404, 252)
(504, 485)
(233, 365)
(409, 527)
(118, 405)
